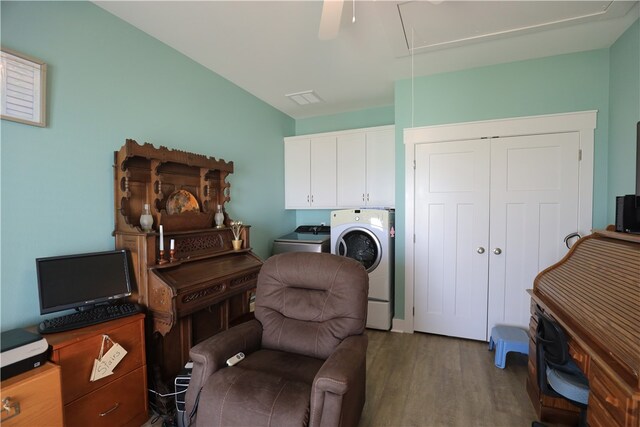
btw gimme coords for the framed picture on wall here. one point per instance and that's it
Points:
(23, 88)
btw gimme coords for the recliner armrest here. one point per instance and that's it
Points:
(339, 382)
(211, 354)
(341, 367)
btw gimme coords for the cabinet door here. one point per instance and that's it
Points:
(352, 160)
(323, 172)
(297, 173)
(380, 191)
(451, 236)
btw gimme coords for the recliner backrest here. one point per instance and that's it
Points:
(309, 302)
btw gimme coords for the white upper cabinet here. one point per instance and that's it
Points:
(352, 169)
(346, 169)
(323, 172)
(381, 161)
(310, 172)
(297, 175)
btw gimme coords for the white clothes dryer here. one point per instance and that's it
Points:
(368, 236)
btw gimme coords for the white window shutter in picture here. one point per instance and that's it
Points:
(22, 93)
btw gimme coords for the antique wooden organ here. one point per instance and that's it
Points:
(203, 286)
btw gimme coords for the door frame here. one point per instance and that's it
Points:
(583, 122)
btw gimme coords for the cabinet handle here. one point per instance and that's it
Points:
(612, 401)
(312, 198)
(497, 251)
(307, 198)
(480, 250)
(363, 197)
(7, 406)
(108, 411)
(367, 197)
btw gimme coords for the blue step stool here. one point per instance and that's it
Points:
(505, 339)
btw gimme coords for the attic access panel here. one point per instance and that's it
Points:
(428, 24)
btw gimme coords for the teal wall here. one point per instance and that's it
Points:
(107, 82)
(378, 116)
(624, 113)
(566, 83)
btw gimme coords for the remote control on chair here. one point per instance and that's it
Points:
(235, 359)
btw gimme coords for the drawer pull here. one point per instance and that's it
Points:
(7, 406)
(611, 401)
(108, 411)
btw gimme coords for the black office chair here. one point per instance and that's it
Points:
(557, 373)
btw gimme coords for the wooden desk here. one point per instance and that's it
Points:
(594, 294)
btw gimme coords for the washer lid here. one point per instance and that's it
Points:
(304, 238)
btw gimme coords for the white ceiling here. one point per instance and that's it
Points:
(271, 48)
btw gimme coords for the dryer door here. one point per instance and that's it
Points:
(360, 244)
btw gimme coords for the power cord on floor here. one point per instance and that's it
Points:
(167, 394)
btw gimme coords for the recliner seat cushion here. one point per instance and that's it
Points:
(290, 366)
(243, 397)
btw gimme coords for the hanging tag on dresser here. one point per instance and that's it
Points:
(104, 365)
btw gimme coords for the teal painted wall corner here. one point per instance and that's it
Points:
(108, 81)
(369, 117)
(624, 114)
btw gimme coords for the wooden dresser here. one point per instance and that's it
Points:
(119, 399)
(33, 398)
(594, 294)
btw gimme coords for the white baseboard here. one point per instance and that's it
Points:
(400, 326)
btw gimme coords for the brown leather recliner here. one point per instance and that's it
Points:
(305, 353)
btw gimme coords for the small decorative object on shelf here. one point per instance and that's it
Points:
(161, 259)
(172, 251)
(236, 228)
(161, 247)
(219, 217)
(146, 220)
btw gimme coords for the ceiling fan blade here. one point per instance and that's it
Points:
(330, 19)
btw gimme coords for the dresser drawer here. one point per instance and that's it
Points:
(37, 394)
(607, 396)
(76, 360)
(121, 402)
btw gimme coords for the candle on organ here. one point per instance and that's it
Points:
(172, 245)
(161, 239)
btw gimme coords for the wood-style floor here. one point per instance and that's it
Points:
(430, 381)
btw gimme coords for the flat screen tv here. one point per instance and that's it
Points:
(83, 280)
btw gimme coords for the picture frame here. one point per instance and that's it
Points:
(23, 88)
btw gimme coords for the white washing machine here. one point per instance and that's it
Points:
(368, 236)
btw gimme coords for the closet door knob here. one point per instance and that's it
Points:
(480, 250)
(497, 251)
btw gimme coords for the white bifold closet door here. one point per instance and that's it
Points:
(489, 215)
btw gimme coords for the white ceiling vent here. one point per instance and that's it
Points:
(304, 98)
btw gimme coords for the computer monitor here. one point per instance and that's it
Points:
(81, 281)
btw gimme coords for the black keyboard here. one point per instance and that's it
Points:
(80, 319)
